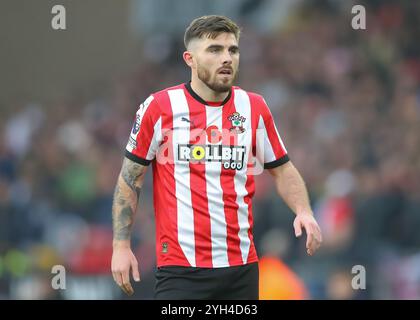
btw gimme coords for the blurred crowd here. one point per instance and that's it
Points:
(347, 105)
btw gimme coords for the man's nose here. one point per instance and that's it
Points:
(227, 57)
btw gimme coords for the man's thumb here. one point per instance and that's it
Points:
(298, 229)
(136, 274)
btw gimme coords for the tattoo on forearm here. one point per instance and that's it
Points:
(132, 174)
(122, 226)
(126, 196)
(121, 216)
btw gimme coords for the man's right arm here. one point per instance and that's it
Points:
(126, 196)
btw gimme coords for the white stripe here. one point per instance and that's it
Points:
(185, 212)
(156, 139)
(214, 116)
(139, 118)
(243, 106)
(143, 108)
(268, 149)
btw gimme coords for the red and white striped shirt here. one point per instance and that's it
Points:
(203, 178)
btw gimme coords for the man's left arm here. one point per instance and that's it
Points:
(291, 187)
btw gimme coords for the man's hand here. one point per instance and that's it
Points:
(313, 232)
(291, 187)
(122, 260)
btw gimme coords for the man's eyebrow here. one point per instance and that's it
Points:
(215, 46)
(219, 46)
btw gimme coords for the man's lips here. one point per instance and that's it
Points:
(226, 71)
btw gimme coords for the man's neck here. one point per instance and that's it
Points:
(206, 93)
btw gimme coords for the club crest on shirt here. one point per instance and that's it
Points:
(237, 122)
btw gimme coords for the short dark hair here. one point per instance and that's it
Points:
(211, 27)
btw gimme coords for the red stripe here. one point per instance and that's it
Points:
(229, 194)
(165, 200)
(198, 187)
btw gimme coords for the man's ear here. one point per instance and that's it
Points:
(188, 58)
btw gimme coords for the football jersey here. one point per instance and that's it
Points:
(204, 157)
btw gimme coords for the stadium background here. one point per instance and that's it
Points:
(347, 103)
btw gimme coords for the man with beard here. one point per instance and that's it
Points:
(201, 138)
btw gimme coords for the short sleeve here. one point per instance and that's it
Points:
(145, 135)
(274, 152)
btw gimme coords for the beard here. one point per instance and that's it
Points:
(215, 84)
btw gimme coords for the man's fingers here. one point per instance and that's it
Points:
(126, 277)
(135, 269)
(127, 288)
(310, 236)
(314, 239)
(298, 228)
(319, 234)
(117, 278)
(123, 281)
(126, 285)
(319, 240)
(313, 232)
